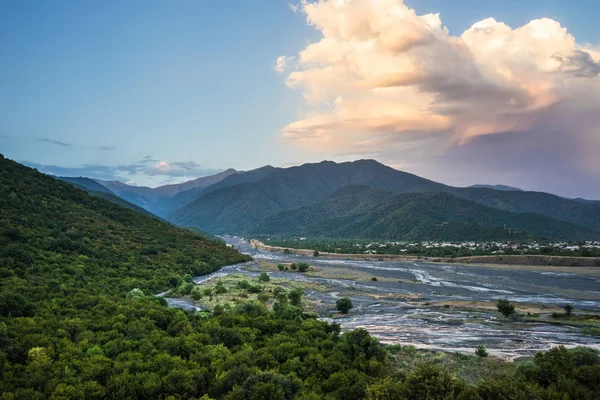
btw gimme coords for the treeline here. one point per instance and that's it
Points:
(346, 246)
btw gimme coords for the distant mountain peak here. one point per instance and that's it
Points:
(497, 187)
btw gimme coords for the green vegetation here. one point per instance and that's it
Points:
(357, 199)
(568, 310)
(344, 305)
(428, 249)
(505, 308)
(481, 351)
(79, 319)
(366, 213)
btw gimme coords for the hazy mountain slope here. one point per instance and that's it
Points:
(586, 214)
(363, 212)
(158, 200)
(235, 208)
(180, 200)
(202, 182)
(85, 183)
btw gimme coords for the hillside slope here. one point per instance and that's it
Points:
(236, 208)
(73, 324)
(586, 214)
(182, 199)
(363, 212)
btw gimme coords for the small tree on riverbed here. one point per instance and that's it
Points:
(568, 309)
(505, 308)
(344, 305)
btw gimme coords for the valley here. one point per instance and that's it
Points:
(435, 306)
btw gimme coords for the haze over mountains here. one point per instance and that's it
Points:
(360, 199)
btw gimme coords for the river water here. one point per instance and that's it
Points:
(395, 308)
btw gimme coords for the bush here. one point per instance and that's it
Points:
(186, 288)
(374, 279)
(281, 267)
(196, 293)
(344, 305)
(255, 289)
(136, 294)
(264, 277)
(505, 308)
(303, 267)
(220, 289)
(481, 351)
(187, 278)
(293, 266)
(243, 285)
(316, 253)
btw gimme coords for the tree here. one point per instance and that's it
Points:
(295, 297)
(505, 308)
(187, 278)
(568, 309)
(316, 253)
(344, 305)
(136, 294)
(281, 267)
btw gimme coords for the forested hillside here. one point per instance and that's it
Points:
(233, 209)
(362, 212)
(302, 194)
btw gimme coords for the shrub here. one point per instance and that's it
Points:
(186, 288)
(281, 267)
(243, 284)
(344, 305)
(481, 351)
(505, 308)
(196, 293)
(264, 277)
(316, 253)
(374, 279)
(303, 267)
(219, 288)
(187, 278)
(293, 266)
(136, 294)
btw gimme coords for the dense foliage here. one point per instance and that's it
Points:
(78, 320)
(367, 213)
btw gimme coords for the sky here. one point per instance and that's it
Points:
(155, 92)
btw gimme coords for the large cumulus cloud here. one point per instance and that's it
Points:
(383, 81)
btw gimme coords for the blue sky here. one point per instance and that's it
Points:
(111, 89)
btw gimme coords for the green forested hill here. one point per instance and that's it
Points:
(236, 208)
(72, 327)
(363, 212)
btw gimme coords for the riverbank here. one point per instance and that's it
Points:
(527, 260)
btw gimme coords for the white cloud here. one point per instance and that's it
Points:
(383, 75)
(282, 63)
(162, 168)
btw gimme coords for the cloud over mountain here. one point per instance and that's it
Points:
(389, 83)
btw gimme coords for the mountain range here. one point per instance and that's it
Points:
(360, 199)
